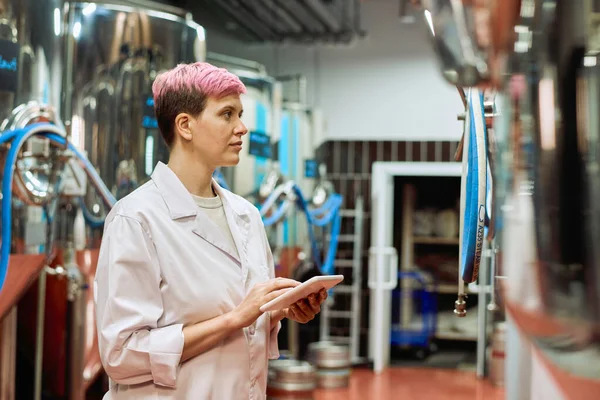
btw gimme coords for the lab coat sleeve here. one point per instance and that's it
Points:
(132, 347)
(273, 342)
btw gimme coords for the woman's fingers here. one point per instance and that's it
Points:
(322, 295)
(315, 304)
(305, 308)
(300, 311)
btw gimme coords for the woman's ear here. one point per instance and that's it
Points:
(183, 126)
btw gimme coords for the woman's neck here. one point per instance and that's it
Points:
(195, 175)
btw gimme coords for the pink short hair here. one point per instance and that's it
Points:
(186, 88)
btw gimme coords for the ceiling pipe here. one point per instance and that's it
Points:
(302, 16)
(357, 25)
(245, 19)
(323, 14)
(282, 14)
(259, 9)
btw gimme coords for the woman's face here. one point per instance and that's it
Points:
(216, 134)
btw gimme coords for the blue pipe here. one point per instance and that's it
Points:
(90, 219)
(301, 201)
(322, 216)
(19, 137)
(276, 216)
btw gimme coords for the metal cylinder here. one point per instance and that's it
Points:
(76, 317)
(497, 355)
(30, 91)
(116, 52)
(332, 362)
(291, 379)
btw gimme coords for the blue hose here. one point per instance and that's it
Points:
(19, 137)
(90, 219)
(331, 211)
(328, 213)
(276, 216)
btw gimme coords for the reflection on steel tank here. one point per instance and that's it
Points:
(115, 52)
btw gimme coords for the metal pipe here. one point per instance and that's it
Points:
(482, 316)
(301, 15)
(321, 12)
(237, 62)
(269, 15)
(247, 21)
(39, 335)
(355, 324)
(283, 15)
(357, 25)
(8, 348)
(76, 295)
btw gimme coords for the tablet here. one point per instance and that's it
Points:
(313, 285)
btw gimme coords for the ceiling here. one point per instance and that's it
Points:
(263, 21)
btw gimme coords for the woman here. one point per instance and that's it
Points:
(185, 265)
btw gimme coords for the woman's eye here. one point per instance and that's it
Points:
(227, 114)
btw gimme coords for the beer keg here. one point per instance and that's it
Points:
(332, 362)
(291, 379)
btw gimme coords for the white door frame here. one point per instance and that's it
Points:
(382, 235)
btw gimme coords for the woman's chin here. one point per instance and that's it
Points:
(231, 160)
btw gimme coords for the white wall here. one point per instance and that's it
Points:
(385, 86)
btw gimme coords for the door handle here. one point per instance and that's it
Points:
(383, 261)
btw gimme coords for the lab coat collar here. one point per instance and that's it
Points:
(181, 204)
(178, 199)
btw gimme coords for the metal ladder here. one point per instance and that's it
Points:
(353, 315)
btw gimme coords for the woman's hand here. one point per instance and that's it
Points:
(248, 311)
(303, 310)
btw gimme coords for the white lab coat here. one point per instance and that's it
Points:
(163, 265)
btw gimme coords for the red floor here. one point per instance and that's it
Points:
(414, 384)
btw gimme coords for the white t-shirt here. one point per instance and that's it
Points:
(213, 207)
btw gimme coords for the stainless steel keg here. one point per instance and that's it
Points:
(332, 362)
(291, 379)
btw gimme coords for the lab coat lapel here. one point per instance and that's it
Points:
(209, 231)
(239, 223)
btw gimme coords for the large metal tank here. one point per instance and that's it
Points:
(30, 91)
(546, 175)
(31, 72)
(114, 52)
(109, 55)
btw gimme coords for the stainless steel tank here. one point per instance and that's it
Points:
(472, 39)
(31, 68)
(546, 174)
(114, 52)
(548, 184)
